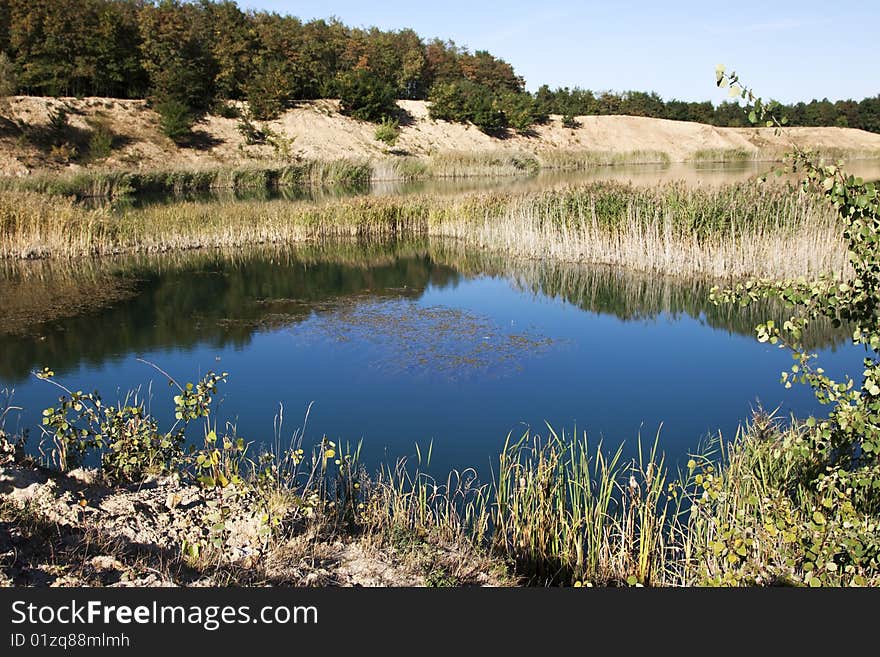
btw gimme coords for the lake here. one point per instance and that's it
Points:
(692, 174)
(402, 344)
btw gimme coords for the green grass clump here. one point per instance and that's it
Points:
(388, 131)
(724, 155)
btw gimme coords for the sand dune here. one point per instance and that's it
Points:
(316, 129)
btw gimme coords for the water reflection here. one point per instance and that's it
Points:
(692, 174)
(398, 344)
(65, 314)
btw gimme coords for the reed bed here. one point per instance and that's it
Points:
(557, 510)
(561, 513)
(121, 183)
(467, 164)
(722, 155)
(317, 173)
(734, 231)
(576, 160)
(731, 232)
(519, 163)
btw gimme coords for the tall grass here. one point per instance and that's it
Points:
(733, 231)
(557, 510)
(574, 160)
(116, 183)
(740, 513)
(119, 183)
(727, 155)
(564, 513)
(464, 164)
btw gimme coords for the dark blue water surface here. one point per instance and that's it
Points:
(402, 345)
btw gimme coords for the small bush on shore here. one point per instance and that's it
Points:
(388, 131)
(175, 120)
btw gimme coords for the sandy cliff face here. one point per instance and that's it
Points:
(316, 129)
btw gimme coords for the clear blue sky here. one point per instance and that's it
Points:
(786, 50)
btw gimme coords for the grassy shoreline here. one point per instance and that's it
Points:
(555, 512)
(734, 231)
(96, 183)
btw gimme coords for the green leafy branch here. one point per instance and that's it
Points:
(845, 447)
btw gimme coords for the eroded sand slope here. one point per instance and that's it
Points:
(316, 129)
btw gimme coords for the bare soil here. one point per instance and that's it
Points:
(73, 529)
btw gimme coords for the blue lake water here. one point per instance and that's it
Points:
(401, 345)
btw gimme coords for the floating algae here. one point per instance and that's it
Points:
(435, 340)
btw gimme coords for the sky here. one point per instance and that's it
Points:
(785, 50)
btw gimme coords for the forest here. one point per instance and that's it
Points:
(189, 58)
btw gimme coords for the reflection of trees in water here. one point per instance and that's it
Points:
(61, 314)
(180, 301)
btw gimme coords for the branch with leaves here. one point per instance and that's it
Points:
(845, 447)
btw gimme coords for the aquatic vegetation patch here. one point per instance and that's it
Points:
(430, 340)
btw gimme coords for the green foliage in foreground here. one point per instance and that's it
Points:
(839, 457)
(126, 436)
(556, 510)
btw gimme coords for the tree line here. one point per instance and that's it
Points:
(189, 58)
(864, 114)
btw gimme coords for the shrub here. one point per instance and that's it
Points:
(8, 82)
(100, 141)
(448, 102)
(521, 111)
(485, 112)
(364, 95)
(268, 92)
(226, 110)
(838, 457)
(568, 121)
(175, 120)
(58, 123)
(388, 131)
(135, 446)
(64, 152)
(463, 101)
(282, 145)
(126, 436)
(251, 133)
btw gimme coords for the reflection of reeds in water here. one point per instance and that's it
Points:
(629, 295)
(182, 297)
(575, 160)
(118, 183)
